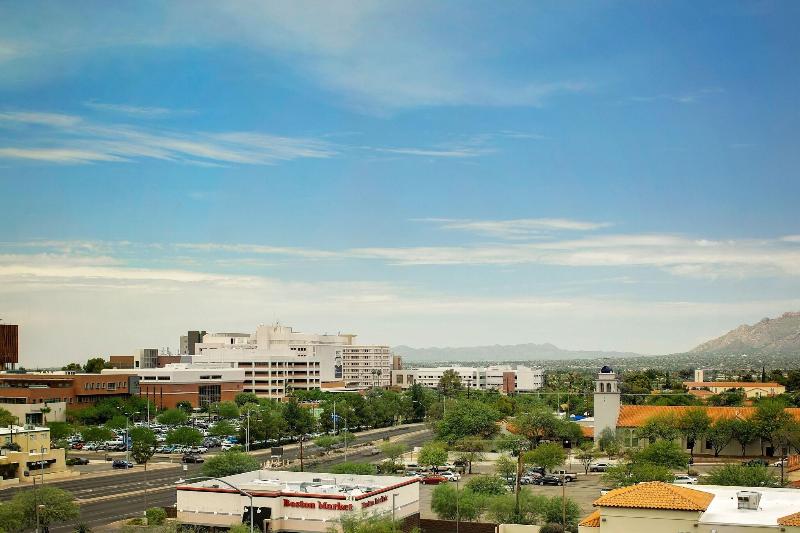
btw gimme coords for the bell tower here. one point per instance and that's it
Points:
(606, 401)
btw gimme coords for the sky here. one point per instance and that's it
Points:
(598, 175)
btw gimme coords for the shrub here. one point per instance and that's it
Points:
(551, 528)
(155, 516)
(364, 469)
(489, 485)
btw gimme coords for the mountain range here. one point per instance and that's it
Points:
(779, 335)
(770, 335)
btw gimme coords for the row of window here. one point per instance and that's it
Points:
(108, 385)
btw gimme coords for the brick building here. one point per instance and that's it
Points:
(75, 390)
(9, 345)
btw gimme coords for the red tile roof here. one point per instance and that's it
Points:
(593, 520)
(631, 416)
(789, 520)
(656, 495)
(732, 384)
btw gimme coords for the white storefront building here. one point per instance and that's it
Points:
(298, 502)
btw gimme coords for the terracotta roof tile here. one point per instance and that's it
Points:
(732, 384)
(656, 495)
(587, 431)
(593, 520)
(631, 416)
(789, 520)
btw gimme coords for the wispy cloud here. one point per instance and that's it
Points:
(70, 139)
(135, 111)
(678, 98)
(522, 228)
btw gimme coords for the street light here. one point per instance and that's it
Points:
(234, 487)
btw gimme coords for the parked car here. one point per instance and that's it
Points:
(92, 446)
(780, 462)
(567, 476)
(74, 461)
(77, 446)
(685, 479)
(121, 463)
(756, 462)
(599, 467)
(411, 473)
(452, 476)
(192, 459)
(227, 446)
(433, 480)
(549, 480)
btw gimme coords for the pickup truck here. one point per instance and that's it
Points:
(566, 476)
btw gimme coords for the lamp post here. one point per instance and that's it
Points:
(231, 485)
(458, 513)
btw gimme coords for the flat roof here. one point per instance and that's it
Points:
(275, 483)
(21, 429)
(775, 503)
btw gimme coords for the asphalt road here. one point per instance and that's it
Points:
(108, 497)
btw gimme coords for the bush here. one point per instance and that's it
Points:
(362, 469)
(229, 463)
(741, 476)
(155, 516)
(488, 485)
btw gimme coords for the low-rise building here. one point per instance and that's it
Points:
(75, 390)
(297, 502)
(751, 390)
(178, 382)
(34, 456)
(658, 507)
(505, 379)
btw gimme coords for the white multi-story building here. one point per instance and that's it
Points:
(277, 359)
(503, 378)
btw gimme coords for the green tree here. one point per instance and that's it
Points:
(244, 398)
(693, 425)
(659, 427)
(419, 401)
(468, 418)
(741, 476)
(222, 428)
(95, 365)
(586, 454)
(143, 444)
(230, 463)
(393, 450)
(96, 434)
(769, 417)
(117, 422)
(608, 439)
(72, 367)
(185, 436)
(172, 417)
(744, 432)
(470, 449)
(60, 430)
(488, 485)
(449, 383)
(10, 517)
(730, 398)
(326, 442)
(720, 434)
(548, 456)
(565, 512)
(299, 422)
(451, 504)
(505, 467)
(626, 474)
(664, 453)
(443, 502)
(537, 424)
(432, 454)
(227, 410)
(55, 505)
(354, 468)
(6, 418)
(185, 406)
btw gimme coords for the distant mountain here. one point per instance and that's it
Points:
(497, 352)
(771, 335)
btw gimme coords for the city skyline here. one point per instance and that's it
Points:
(610, 177)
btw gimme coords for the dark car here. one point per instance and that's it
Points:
(756, 462)
(549, 480)
(121, 463)
(189, 458)
(73, 461)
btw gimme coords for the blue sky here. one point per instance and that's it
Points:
(605, 175)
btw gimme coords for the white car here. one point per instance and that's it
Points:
(451, 476)
(780, 462)
(227, 446)
(685, 479)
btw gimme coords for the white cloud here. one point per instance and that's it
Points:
(678, 98)
(135, 111)
(69, 139)
(516, 228)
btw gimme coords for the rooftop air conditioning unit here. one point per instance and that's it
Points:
(748, 499)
